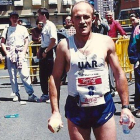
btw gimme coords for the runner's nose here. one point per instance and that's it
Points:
(82, 20)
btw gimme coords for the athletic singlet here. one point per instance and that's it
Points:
(87, 74)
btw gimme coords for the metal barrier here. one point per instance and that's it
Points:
(121, 46)
(2, 63)
(30, 57)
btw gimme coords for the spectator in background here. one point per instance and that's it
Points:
(115, 26)
(48, 42)
(99, 25)
(20, 21)
(134, 57)
(68, 29)
(15, 47)
(36, 38)
(134, 18)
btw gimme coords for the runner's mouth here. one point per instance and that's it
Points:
(82, 27)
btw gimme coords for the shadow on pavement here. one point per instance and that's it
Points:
(6, 99)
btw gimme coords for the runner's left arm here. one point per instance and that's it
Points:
(121, 82)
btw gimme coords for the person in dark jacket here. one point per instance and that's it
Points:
(36, 38)
(134, 57)
(99, 25)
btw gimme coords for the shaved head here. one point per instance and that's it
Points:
(81, 4)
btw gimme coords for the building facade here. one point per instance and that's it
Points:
(103, 5)
(27, 10)
(129, 6)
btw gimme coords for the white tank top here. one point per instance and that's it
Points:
(87, 74)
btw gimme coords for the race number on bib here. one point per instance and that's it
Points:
(90, 91)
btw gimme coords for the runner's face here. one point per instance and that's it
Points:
(82, 18)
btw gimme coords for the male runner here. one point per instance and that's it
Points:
(89, 104)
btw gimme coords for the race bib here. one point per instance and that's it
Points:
(90, 89)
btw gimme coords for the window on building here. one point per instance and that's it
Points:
(36, 2)
(67, 2)
(5, 2)
(3, 7)
(18, 3)
(51, 2)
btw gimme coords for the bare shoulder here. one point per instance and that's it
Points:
(103, 37)
(105, 40)
(62, 48)
(62, 45)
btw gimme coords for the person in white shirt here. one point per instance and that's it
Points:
(45, 54)
(14, 43)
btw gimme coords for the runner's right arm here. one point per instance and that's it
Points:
(55, 80)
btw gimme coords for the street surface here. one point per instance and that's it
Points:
(33, 117)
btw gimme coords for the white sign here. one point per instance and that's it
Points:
(36, 2)
(67, 2)
(52, 2)
(18, 3)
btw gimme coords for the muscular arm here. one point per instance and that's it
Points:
(121, 83)
(118, 74)
(55, 79)
(59, 66)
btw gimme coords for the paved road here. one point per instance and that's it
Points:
(33, 117)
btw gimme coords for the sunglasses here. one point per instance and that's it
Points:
(40, 24)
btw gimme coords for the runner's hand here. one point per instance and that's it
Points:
(130, 115)
(53, 118)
